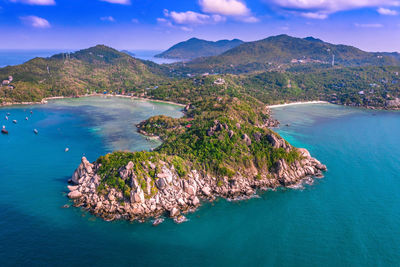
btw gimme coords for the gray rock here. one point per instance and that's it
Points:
(160, 183)
(174, 212)
(74, 194)
(247, 139)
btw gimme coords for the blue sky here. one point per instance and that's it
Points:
(372, 25)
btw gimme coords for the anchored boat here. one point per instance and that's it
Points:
(4, 131)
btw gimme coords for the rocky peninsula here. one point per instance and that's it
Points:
(158, 187)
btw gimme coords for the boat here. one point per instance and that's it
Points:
(31, 112)
(6, 118)
(8, 114)
(4, 131)
(35, 131)
(15, 121)
(26, 118)
(67, 149)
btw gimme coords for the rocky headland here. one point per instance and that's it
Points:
(157, 187)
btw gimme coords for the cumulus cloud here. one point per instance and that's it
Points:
(387, 11)
(224, 7)
(192, 18)
(372, 25)
(36, 2)
(35, 21)
(231, 8)
(320, 9)
(107, 18)
(121, 2)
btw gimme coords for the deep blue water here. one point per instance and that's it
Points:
(349, 218)
(15, 57)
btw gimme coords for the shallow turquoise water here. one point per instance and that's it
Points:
(350, 218)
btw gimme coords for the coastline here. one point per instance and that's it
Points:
(298, 103)
(46, 99)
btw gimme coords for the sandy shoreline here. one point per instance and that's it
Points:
(298, 103)
(45, 100)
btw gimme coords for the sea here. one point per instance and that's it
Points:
(10, 57)
(351, 217)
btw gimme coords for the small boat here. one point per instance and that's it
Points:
(15, 121)
(8, 114)
(6, 118)
(31, 112)
(26, 118)
(4, 131)
(35, 131)
(67, 149)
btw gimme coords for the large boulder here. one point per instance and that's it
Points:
(137, 196)
(160, 183)
(276, 141)
(85, 168)
(125, 172)
(304, 152)
(174, 212)
(74, 194)
(246, 139)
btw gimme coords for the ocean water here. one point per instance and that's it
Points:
(15, 57)
(349, 218)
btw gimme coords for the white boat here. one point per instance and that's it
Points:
(6, 118)
(35, 131)
(67, 149)
(15, 121)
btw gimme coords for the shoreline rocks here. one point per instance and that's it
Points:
(168, 194)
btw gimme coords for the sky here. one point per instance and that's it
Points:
(372, 25)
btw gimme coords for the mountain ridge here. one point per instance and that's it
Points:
(195, 47)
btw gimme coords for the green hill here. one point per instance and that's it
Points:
(282, 51)
(194, 48)
(94, 69)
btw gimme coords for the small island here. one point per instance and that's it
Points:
(222, 147)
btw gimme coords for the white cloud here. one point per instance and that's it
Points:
(121, 2)
(249, 19)
(320, 9)
(108, 18)
(224, 7)
(372, 25)
(186, 29)
(192, 18)
(387, 11)
(232, 8)
(35, 21)
(314, 15)
(36, 2)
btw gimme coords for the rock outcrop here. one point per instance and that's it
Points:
(167, 193)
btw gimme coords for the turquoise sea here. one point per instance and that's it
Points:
(349, 218)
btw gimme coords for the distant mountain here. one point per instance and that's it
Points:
(282, 51)
(98, 68)
(194, 48)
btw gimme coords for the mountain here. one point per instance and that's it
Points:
(94, 69)
(194, 48)
(282, 51)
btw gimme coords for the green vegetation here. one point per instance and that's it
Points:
(281, 52)
(223, 132)
(96, 69)
(194, 48)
